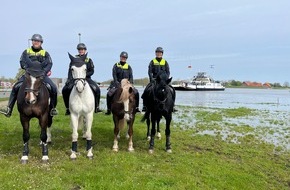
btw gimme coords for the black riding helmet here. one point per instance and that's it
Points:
(159, 49)
(37, 37)
(81, 46)
(124, 54)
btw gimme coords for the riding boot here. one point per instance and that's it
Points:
(53, 104)
(137, 100)
(173, 97)
(11, 103)
(97, 102)
(12, 99)
(65, 95)
(108, 105)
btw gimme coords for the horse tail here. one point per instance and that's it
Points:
(146, 116)
(121, 124)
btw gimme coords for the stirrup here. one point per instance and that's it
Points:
(108, 112)
(144, 109)
(7, 112)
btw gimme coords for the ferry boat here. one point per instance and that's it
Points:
(201, 82)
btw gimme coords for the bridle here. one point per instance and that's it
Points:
(82, 80)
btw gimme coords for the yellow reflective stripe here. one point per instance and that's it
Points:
(125, 66)
(162, 62)
(31, 52)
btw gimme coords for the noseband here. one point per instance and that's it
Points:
(83, 80)
(35, 92)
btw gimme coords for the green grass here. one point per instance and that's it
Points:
(197, 161)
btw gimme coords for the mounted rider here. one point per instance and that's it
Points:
(120, 71)
(155, 66)
(81, 47)
(35, 53)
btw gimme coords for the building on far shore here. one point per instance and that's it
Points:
(256, 84)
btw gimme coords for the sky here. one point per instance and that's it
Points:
(229, 39)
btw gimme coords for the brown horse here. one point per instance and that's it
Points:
(33, 101)
(124, 110)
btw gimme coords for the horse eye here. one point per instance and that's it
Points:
(72, 69)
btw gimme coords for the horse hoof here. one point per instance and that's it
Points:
(24, 161)
(131, 149)
(150, 151)
(44, 161)
(115, 149)
(73, 159)
(90, 157)
(169, 151)
(159, 136)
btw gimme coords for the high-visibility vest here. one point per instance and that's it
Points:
(161, 63)
(30, 52)
(124, 67)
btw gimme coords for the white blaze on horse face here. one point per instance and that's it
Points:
(32, 97)
(126, 109)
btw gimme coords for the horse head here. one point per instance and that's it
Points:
(34, 76)
(79, 71)
(161, 88)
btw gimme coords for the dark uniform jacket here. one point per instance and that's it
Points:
(121, 71)
(157, 65)
(36, 55)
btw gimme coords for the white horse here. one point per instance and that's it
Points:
(81, 105)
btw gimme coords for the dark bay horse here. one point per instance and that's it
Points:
(33, 102)
(124, 110)
(160, 104)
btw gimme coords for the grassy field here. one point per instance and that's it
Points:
(198, 161)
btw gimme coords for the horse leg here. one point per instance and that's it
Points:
(48, 133)
(167, 133)
(43, 121)
(148, 129)
(83, 123)
(88, 126)
(153, 131)
(158, 129)
(26, 136)
(74, 124)
(130, 132)
(116, 132)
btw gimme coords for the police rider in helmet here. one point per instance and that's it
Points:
(35, 53)
(120, 71)
(81, 47)
(157, 64)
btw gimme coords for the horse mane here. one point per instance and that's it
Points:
(127, 90)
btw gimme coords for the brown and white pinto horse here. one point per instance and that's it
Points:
(124, 110)
(33, 101)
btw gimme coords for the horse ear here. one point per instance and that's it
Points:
(169, 80)
(70, 56)
(85, 56)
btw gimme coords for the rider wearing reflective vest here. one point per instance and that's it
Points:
(35, 53)
(81, 47)
(156, 65)
(120, 71)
